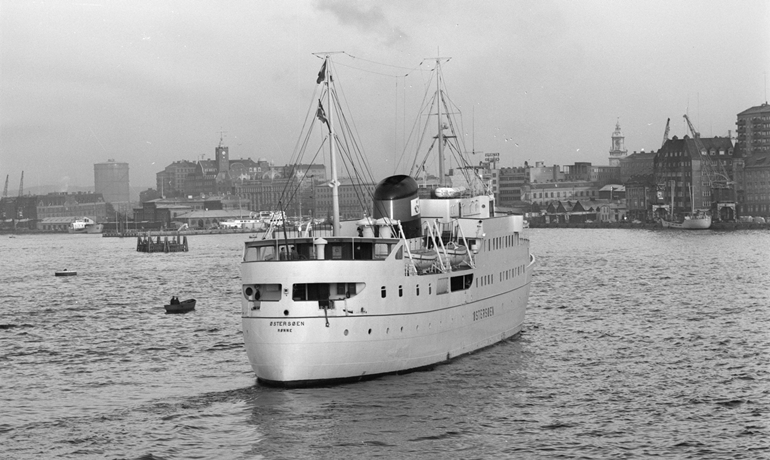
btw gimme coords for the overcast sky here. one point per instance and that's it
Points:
(150, 82)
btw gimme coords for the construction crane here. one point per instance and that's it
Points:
(708, 166)
(665, 134)
(5, 190)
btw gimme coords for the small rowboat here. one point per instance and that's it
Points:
(181, 307)
(65, 272)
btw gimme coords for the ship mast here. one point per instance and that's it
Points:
(440, 131)
(440, 136)
(325, 74)
(332, 154)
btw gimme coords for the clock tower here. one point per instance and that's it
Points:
(618, 151)
(222, 155)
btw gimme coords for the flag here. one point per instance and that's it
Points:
(321, 114)
(321, 74)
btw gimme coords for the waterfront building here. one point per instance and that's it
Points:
(512, 183)
(756, 185)
(111, 181)
(352, 198)
(579, 211)
(171, 181)
(580, 171)
(542, 194)
(541, 173)
(67, 205)
(612, 211)
(753, 129)
(681, 163)
(612, 192)
(641, 192)
(637, 164)
(19, 211)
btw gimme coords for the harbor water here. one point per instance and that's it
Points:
(637, 344)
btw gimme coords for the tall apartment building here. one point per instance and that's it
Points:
(111, 180)
(753, 130)
(512, 183)
(681, 163)
(171, 181)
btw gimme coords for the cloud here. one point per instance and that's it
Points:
(368, 19)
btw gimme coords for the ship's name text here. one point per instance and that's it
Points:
(483, 313)
(287, 323)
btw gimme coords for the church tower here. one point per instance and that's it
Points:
(618, 151)
(222, 155)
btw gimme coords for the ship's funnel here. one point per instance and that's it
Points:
(396, 198)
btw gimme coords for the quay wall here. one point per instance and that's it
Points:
(649, 225)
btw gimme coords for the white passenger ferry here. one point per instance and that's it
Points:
(422, 281)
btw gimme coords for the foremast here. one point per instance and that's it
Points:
(324, 77)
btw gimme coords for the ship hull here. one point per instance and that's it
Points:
(394, 322)
(697, 223)
(377, 345)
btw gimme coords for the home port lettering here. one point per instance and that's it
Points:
(285, 326)
(483, 313)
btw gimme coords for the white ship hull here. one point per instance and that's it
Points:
(689, 223)
(85, 225)
(413, 326)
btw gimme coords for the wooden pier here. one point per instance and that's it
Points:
(177, 243)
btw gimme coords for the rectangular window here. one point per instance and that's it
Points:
(460, 283)
(442, 286)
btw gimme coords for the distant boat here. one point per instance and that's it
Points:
(65, 272)
(690, 222)
(85, 225)
(253, 223)
(693, 220)
(180, 307)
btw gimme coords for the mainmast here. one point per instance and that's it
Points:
(440, 130)
(440, 136)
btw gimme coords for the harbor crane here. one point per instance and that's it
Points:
(5, 190)
(717, 179)
(665, 134)
(21, 184)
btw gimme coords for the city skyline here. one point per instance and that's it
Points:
(148, 84)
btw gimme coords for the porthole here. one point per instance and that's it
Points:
(346, 332)
(370, 332)
(286, 313)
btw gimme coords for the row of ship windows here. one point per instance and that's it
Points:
(502, 242)
(444, 285)
(461, 282)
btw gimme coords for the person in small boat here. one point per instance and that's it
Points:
(174, 300)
